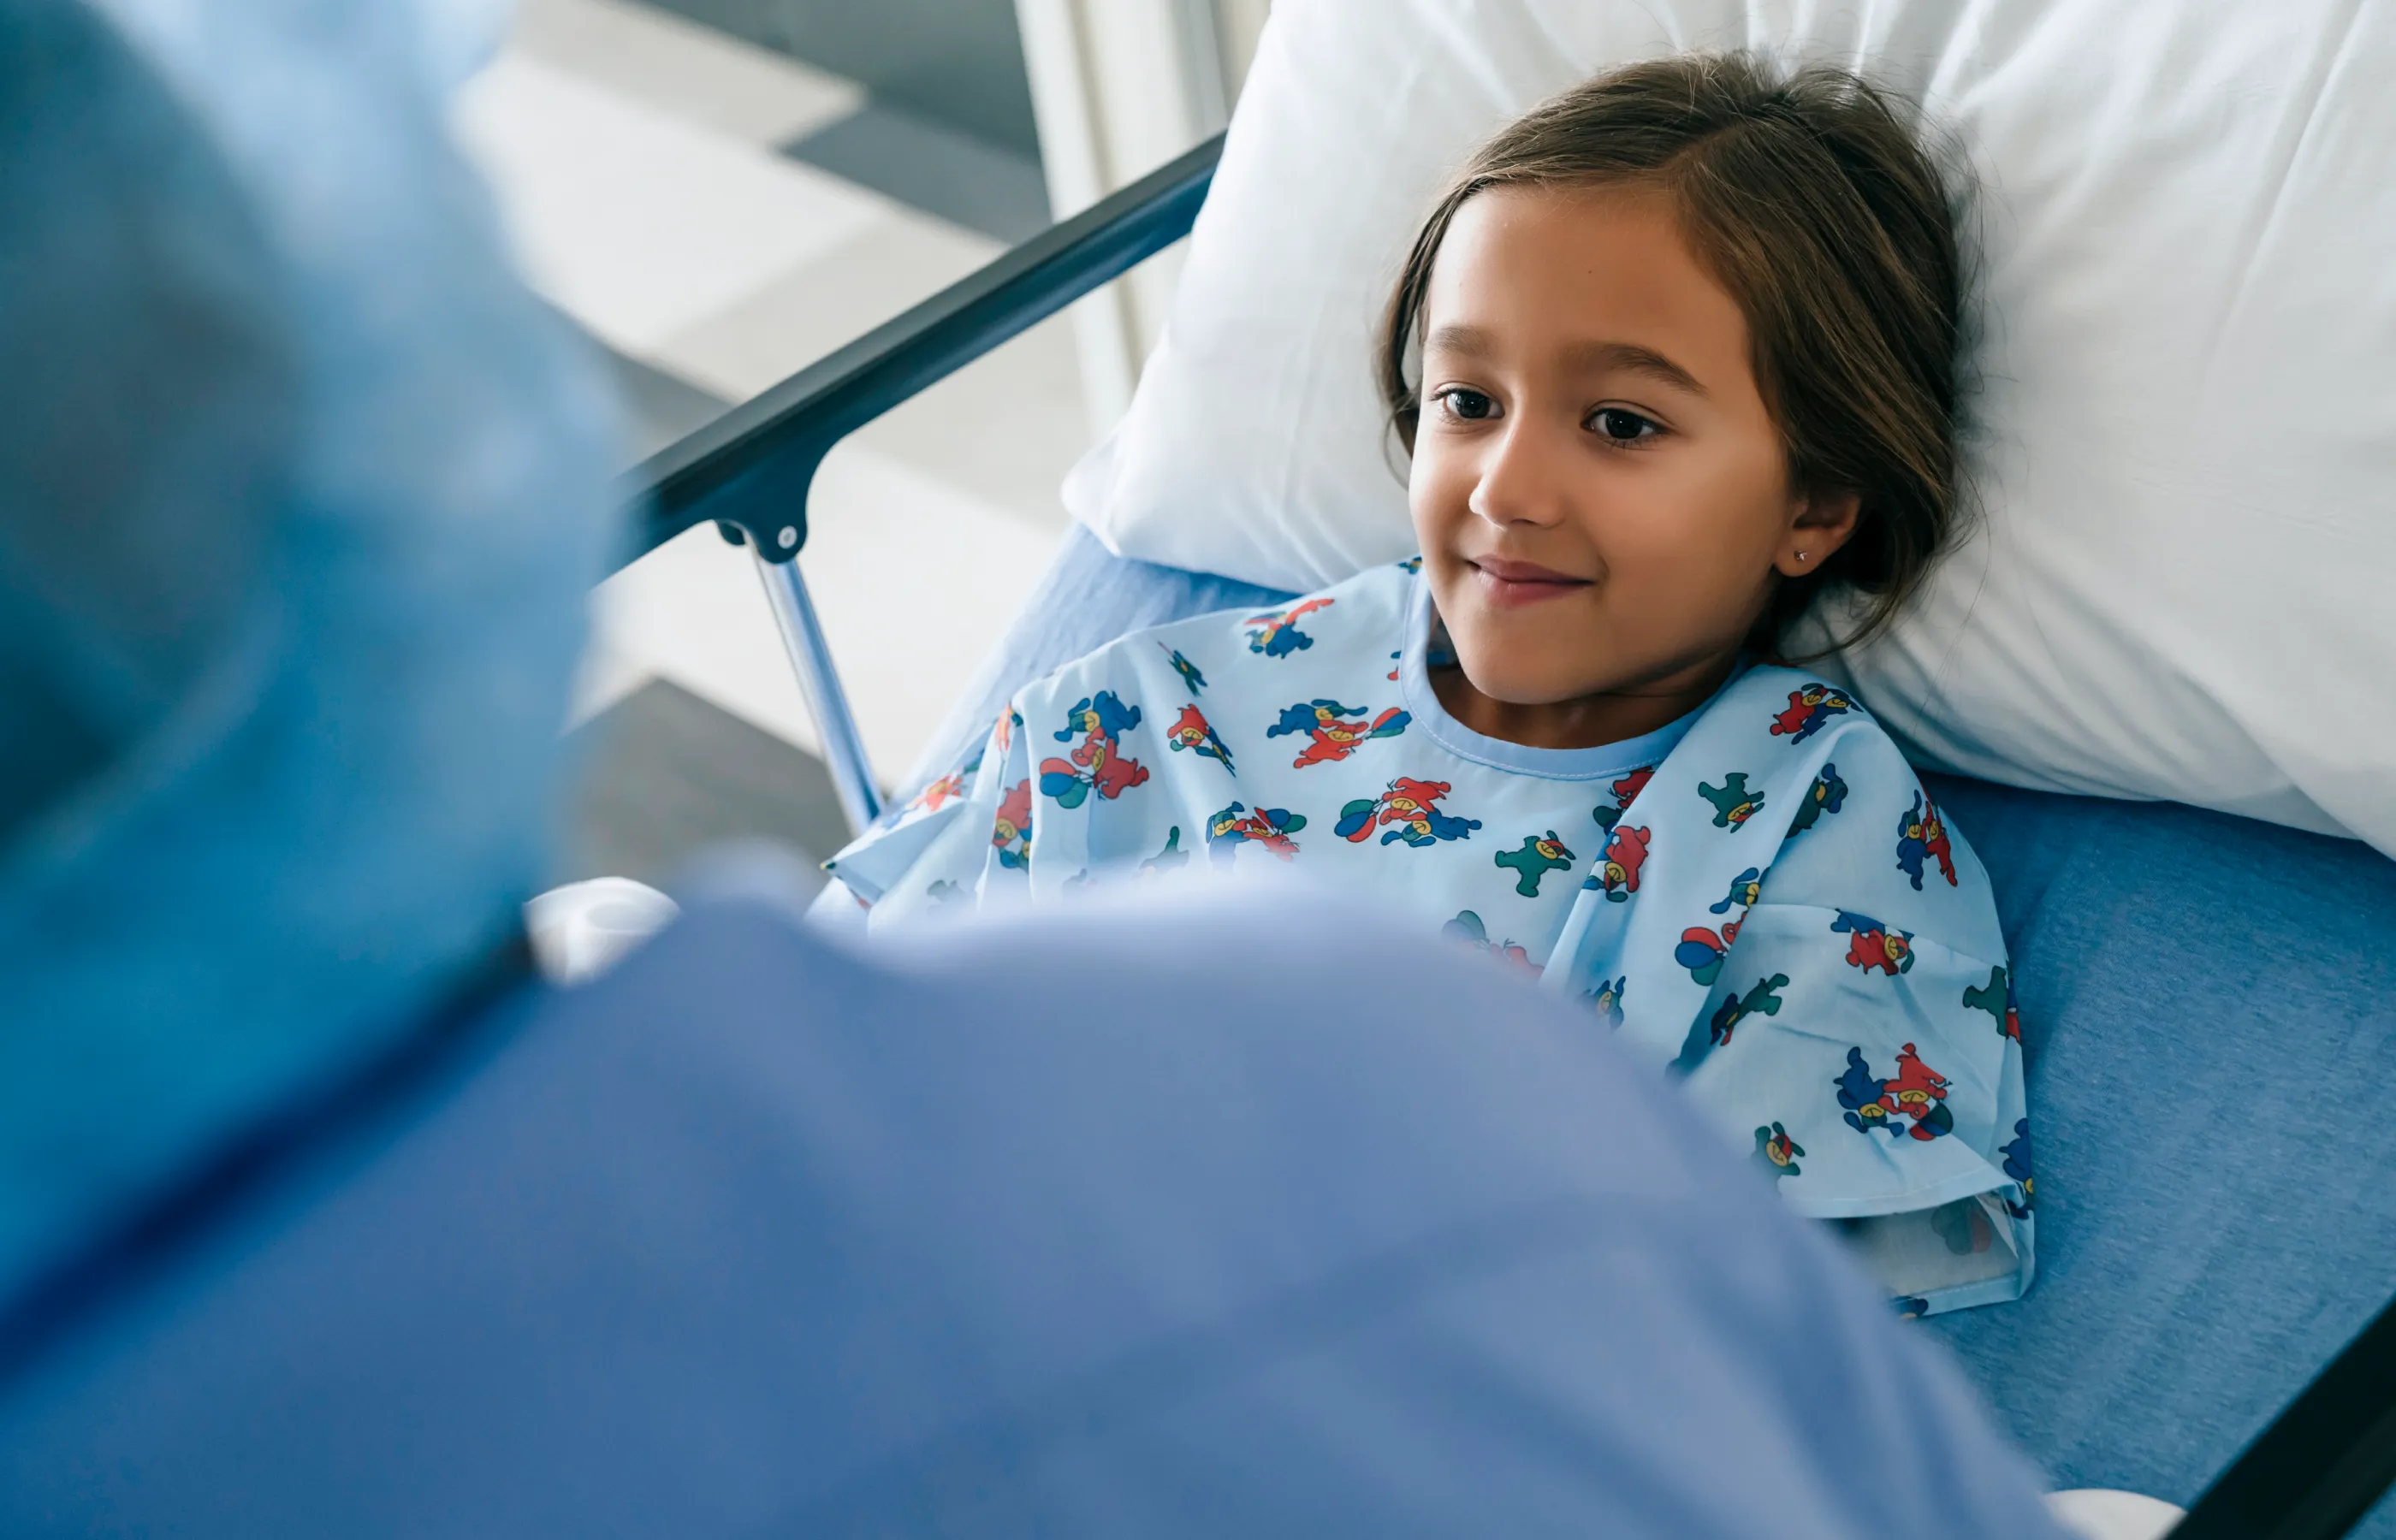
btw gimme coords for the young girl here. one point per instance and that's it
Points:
(1673, 352)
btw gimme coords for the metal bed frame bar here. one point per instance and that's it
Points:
(2324, 1461)
(750, 471)
(2311, 1475)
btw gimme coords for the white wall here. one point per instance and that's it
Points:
(1119, 87)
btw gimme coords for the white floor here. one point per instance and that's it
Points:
(633, 153)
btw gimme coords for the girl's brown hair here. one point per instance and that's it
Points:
(1809, 199)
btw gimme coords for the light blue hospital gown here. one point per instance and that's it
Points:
(1759, 898)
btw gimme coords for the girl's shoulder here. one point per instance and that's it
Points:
(1368, 607)
(1863, 832)
(1787, 708)
(1311, 642)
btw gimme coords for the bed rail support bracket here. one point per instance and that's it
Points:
(803, 639)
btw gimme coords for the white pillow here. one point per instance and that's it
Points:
(2185, 583)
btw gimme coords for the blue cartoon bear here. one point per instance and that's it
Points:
(1916, 1094)
(1810, 709)
(1921, 836)
(1410, 810)
(1187, 669)
(1276, 635)
(2018, 1166)
(1826, 795)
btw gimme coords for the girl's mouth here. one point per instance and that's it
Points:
(1509, 583)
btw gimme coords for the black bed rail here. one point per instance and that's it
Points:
(749, 470)
(2324, 1461)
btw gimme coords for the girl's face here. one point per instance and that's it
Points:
(1602, 497)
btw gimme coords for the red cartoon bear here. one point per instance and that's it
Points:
(1626, 852)
(1624, 791)
(1010, 834)
(1873, 945)
(1410, 810)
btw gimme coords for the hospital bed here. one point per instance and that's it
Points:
(2208, 1002)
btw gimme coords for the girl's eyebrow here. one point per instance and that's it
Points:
(1630, 358)
(1456, 339)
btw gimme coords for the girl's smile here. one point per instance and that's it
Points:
(1508, 583)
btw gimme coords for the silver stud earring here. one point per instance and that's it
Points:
(1801, 556)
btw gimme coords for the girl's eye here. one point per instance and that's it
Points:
(1623, 425)
(1471, 406)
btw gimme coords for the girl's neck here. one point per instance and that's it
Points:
(1584, 722)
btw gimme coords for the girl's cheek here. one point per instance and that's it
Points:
(1440, 503)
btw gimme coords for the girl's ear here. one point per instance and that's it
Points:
(1819, 523)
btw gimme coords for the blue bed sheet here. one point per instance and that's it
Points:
(2209, 1014)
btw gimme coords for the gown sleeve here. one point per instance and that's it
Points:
(1065, 795)
(1860, 1025)
(966, 835)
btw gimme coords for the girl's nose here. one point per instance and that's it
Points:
(1522, 479)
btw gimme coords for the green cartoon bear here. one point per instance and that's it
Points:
(1765, 997)
(1535, 859)
(1996, 997)
(1734, 804)
(1778, 1154)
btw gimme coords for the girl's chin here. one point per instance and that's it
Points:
(1545, 629)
